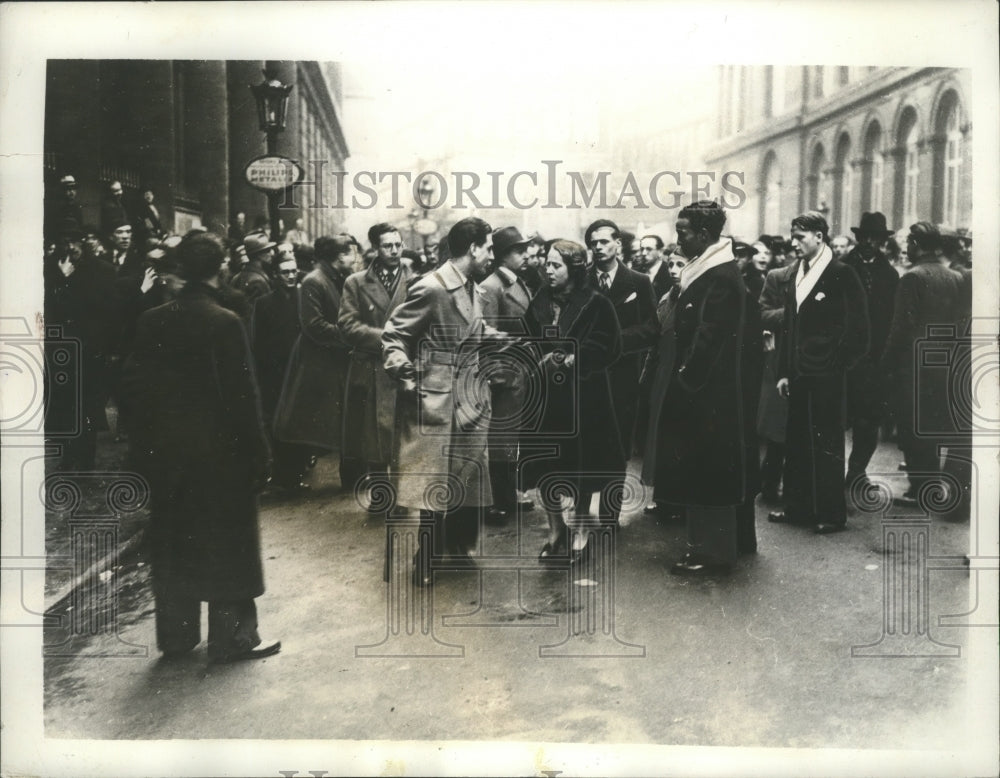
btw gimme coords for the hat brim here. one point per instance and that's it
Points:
(258, 251)
(881, 233)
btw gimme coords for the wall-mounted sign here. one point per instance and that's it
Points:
(272, 173)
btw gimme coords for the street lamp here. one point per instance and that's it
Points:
(272, 106)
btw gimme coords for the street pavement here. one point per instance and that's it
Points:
(623, 652)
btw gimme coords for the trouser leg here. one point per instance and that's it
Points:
(502, 477)
(863, 444)
(178, 619)
(712, 534)
(771, 467)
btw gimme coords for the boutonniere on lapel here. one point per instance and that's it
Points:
(820, 296)
(631, 297)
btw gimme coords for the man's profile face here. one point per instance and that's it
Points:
(122, 237)
(692, 243)
(482, 257)
(390, 248)
(116, 189)
(532, 255)
(806, 243)
(604, 246)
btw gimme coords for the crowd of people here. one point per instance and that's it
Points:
(489, 365)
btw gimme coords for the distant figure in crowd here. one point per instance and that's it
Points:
(199, 440)
(505, 298)
(62, 206)
(113, 210)
(254, 277)
(867, 391)
(310, 409)
(826, 333)
(237, 228)
(841, 246)
(298, 236)
(275, 328)
(929, 296)
(753, 276)
(369, 299)
(631, 293)
(147, 218)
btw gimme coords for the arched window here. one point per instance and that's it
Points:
(907, 176)
(874, 175)
(771, 195)
(948, 160)
(843, 185)
(818, 196)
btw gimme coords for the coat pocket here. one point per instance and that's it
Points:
(436, 408)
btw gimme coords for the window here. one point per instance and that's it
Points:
(952, 165)
(877, 182)
(818, 181)
(817, 81)
(771, 216)
(843, 185)
(911, 176)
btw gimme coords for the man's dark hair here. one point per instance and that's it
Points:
(470, 231)
(328, 247)
(199, 255)
(656, 238)
(705, 215)
(305, 256)
(595, 226)
(376, 232)
(812, 221)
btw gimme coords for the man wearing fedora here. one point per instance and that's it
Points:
(254, 278)
(867, 393)
(929, 296)
(505, 298)
(825, 335)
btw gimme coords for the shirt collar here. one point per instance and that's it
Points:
(611, 273)
(654, 269)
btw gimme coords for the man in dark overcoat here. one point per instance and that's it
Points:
(310, 409)
(825, 334)
(275, 328)
(867, 393)
(505, 298)
(929, 296)
(198, 438)
(431, 346)
(631, 293)
(370, 296)
(253, 279)
(772, 413)
(701, 436)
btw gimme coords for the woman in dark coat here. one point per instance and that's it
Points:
(198, 437)
(579, 338)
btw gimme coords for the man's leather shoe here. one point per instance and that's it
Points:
(907, 499)
(778, 517)
(526, 505)
(262, 651)
(652, 509)
(828, 529)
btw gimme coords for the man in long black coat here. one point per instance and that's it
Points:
(702, 447)
(867, 393)
(199, 439)
(930, 296)
(632, 295)
(275, 328)
(825, 334)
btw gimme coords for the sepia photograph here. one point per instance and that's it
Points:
(499, 389)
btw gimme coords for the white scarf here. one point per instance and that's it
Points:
(804, 282)
(719, 253)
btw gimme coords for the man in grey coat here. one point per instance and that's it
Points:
(431, 346)
(505, 299)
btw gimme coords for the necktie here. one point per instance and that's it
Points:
(470, 286)
(805, 266)
(605, 281)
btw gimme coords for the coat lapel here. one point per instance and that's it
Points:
(450, 280)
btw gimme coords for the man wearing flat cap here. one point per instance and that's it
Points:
(505, 299)
(928, 296)
(253, 278)
(63, 205)
(867, 392)
(825, 335)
